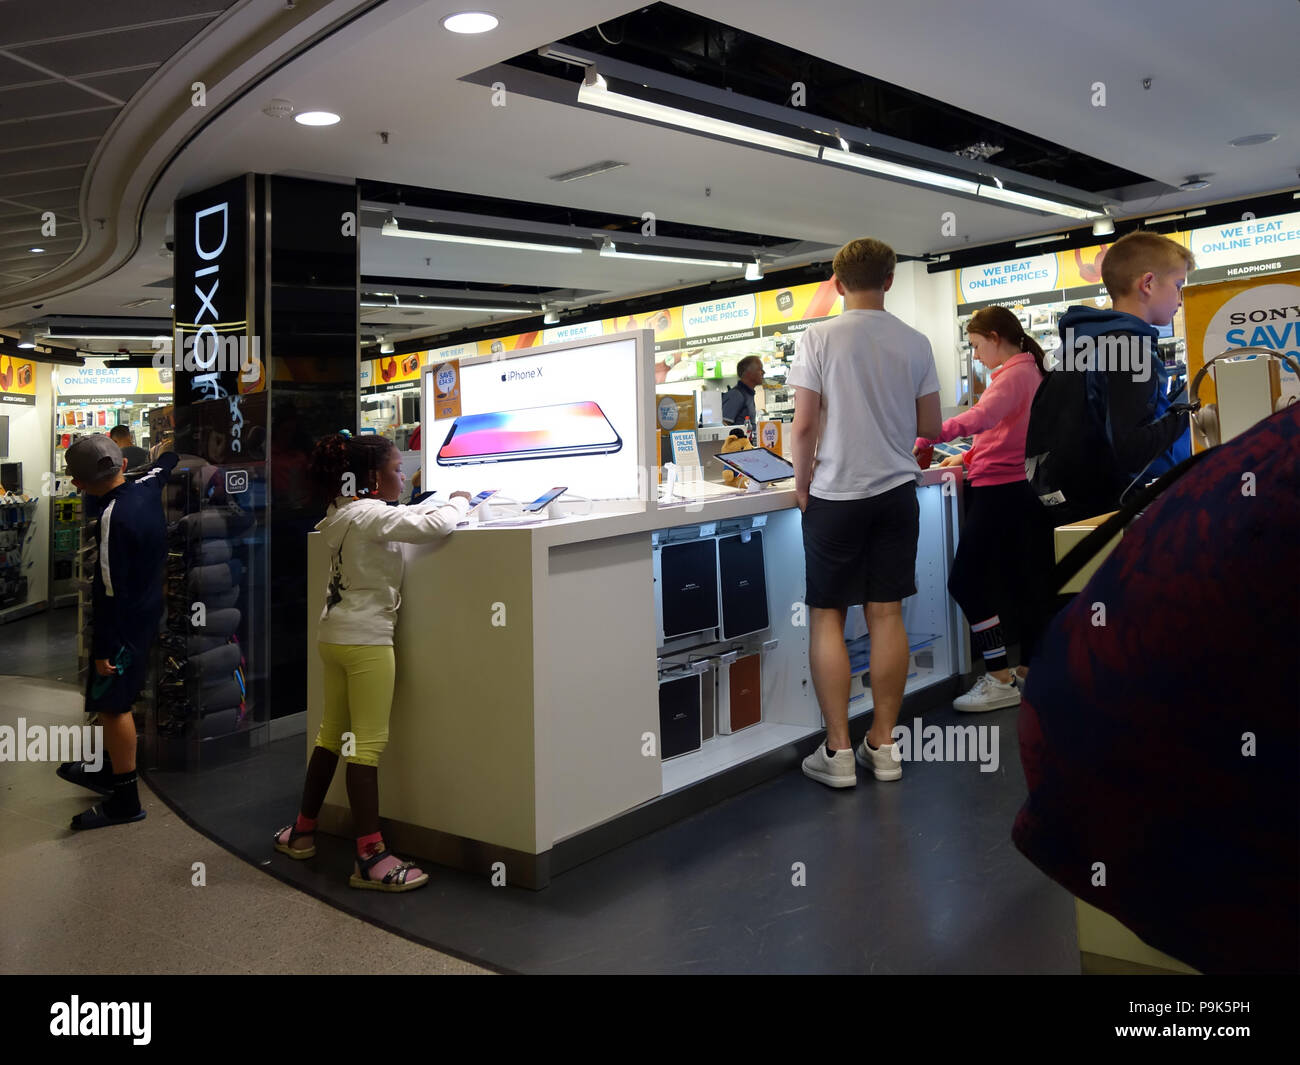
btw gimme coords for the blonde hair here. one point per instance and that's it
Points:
(864, 263)
(1139, 253)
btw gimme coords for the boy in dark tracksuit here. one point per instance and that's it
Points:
(128, 605)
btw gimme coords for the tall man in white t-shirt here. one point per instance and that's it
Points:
(865, 387)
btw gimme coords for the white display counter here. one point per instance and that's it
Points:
(525, 727)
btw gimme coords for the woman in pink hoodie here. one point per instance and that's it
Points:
(1005, 553)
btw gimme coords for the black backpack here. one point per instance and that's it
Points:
(1070, 462)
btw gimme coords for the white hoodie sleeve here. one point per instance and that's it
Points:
(419, 524)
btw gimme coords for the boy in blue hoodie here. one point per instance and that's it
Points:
(1125, 376)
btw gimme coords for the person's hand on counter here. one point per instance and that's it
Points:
(952, 460)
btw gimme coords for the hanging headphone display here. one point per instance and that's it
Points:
(1205, 420)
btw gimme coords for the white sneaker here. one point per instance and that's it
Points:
(881, 761)
(837, 772)
(988, 693)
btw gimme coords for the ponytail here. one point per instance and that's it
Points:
(1029, 344)
(339, 454)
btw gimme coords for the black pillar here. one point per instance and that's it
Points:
(266, 359)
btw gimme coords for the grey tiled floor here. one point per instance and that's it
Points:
(121, 900)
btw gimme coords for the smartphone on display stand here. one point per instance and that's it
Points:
(478, 501)
(556, 431)
(544, 500)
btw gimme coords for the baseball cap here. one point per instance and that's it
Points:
(93, 458)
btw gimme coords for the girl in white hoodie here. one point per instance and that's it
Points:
(362, 475)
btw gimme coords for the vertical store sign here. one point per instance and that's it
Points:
(212, 345)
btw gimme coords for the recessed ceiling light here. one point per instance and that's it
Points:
(37, 251)
(316, 118)
(1194, 184)
(470, 22)
(1252, 139)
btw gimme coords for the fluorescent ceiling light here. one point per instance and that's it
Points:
(392, 229)
(1037, 203)
(456, 307)
(603, 167)
(599, 95)
(898, 170)
(88, 336)
(316, 118)
(36, 251)
(1039, 240)
(470, 22)
(609, 251)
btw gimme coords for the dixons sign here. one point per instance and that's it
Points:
(211, 290)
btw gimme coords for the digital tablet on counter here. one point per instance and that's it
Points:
(759, 464)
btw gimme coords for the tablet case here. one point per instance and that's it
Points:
(742, 584)
(679, 716)
(740, 702)
(688, 587)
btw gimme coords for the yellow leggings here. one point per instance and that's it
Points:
(358, 699)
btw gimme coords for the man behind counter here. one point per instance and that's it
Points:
(738, 402)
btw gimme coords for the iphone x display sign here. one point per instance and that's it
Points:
(555, 431)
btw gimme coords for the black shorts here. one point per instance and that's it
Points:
(861, 550)
(116, 693)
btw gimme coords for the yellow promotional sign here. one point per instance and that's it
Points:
(150, 382)
(1080, 267)
(675, 412)
(1259, 312)
(799, 303)
(17, 381)
(666, 323)
(518, 342)
(769, 436)
(397, 369)
(446, 390)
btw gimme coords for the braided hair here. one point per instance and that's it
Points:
(990, 320)
(339, 454)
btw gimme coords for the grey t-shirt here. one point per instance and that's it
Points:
(870, 369)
